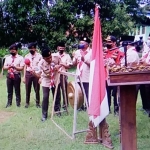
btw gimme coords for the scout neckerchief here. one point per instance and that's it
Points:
(31, 64)
(11, 70)
(80, 64)
(60, 69)
(52, 76)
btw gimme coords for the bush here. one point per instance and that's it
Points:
(3, 52)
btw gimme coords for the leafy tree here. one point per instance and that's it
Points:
(121, 23)
(27, 19)
(66, 20)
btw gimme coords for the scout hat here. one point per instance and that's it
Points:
(86, 39)
(110, 39)
(45, 52)
(32, 45)
(15, 46)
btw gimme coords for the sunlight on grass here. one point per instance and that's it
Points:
(25, 131)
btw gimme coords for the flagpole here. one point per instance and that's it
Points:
(98, 102)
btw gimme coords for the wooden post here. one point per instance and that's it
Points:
(128, 117)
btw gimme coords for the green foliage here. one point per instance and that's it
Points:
(118, 26)
(35, 20)
(3, 52)
(23, 52)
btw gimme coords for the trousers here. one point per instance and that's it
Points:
(145, 95)
(29, 80)
(112, 91)
(14, 83)
(63, 87)
(45, 102)
(86, 89)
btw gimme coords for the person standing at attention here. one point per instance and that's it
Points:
(13, 64)
(33, 59)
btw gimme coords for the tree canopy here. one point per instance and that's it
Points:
(63, 20)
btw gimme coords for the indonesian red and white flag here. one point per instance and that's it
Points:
(98, 102)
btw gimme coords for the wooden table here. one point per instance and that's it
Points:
(128, 96)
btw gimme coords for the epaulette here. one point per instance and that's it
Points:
(26, 55)
(38, 53)
(42, 61)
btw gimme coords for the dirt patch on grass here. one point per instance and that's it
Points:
(5, 115)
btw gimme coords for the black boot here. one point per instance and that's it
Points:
(116, 110)
(18, 103)
(44, 116)
(27, 105)
(8, 105)
(38, 106)
(43, 119)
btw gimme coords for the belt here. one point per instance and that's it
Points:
(28, 72)
(15, 73)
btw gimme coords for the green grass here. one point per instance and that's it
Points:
(25, 131)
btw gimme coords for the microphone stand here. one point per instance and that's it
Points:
(124, 45)
(125, 51)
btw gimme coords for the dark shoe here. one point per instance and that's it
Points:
(38, 106)
(82, 108)
(64, 107)
(27, 105)
(58, 114)
(147, 111)
(8, 105)
(85, 108)
(116, 110)
(18, 105)
(43, 119)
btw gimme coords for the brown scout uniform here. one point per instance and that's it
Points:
(44, 68)
(30, 78)
(14, 78)
(65, 59)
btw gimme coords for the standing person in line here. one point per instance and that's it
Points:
(112, 55)
(65, 63)
(34, 57)
(132, 55)
(82, 59)
(13, 64)
(145, 88)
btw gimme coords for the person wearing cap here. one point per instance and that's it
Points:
(47, 78)
(65, 64)
(82, 59)
(145, 88)
(13, 64)
(34, 57)
(112, 56)
(146, 52)
(132, 55)
(112, 52)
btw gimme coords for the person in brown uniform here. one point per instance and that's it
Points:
(33, 57)
(47, 78)
(65, 64)
(13, 64)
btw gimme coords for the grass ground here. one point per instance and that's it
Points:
(22, 128)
